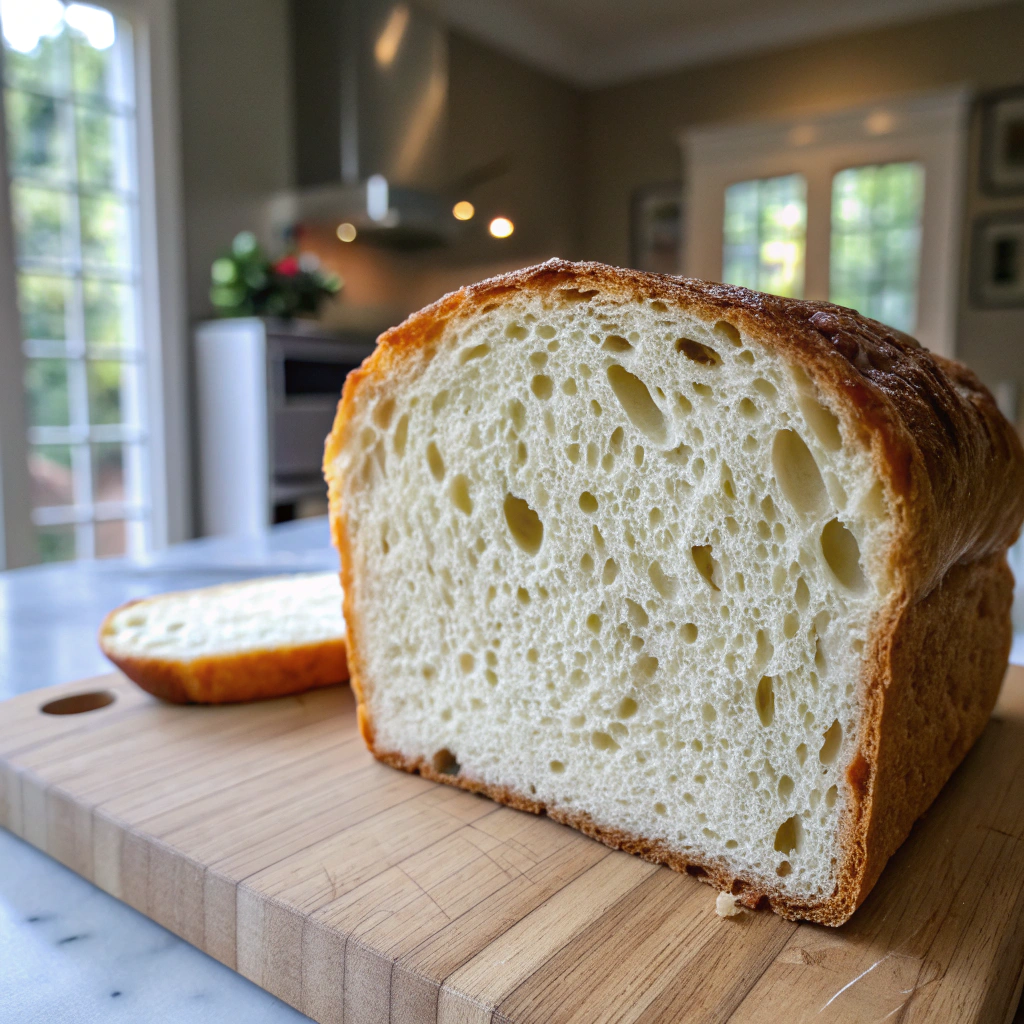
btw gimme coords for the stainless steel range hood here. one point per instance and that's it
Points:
(371, 98)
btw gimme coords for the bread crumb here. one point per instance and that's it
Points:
(727, 905)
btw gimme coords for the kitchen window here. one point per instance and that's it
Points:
(876, 241)
(765, 234)
(81, 196)
(861, 207)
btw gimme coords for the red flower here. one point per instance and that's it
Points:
(287, 266)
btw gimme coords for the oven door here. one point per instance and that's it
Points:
(305, 382)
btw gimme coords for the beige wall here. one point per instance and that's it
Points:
(631, 131)
(236, 124)
(502, 108)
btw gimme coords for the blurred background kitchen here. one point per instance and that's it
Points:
(211, 208)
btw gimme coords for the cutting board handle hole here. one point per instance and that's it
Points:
(79, 703)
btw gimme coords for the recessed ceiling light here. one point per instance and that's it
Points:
(501, 227)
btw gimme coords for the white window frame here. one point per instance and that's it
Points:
(163, 322)
(930, 129)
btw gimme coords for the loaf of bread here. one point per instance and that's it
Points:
(239, 641)
(717, 577)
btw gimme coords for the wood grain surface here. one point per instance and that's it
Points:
(266, 835)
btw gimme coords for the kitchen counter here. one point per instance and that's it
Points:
(68, 951)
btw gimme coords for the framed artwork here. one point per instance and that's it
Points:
(656, 228)
(1002, 142)
(997, 261)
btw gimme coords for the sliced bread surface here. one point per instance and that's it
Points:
(234, 642)
(715, 576)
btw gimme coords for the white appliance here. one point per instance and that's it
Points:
(267, 393)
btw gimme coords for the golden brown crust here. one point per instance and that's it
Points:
(945, 660)
(953, 472)
(227, 679)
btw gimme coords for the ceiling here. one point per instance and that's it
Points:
(592, 43)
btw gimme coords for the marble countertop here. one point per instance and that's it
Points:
(69, 953)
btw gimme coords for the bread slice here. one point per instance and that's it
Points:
(717, 577)
(238, 641)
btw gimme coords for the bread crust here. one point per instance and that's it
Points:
(952, 468)
(232, 678)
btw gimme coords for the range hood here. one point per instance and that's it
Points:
(371, 98)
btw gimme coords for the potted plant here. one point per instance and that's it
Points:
(246, 282)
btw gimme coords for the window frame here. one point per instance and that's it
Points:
(163, 319)
(930, 129)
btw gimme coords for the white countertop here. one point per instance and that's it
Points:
(69, 953)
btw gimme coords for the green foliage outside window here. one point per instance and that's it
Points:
(876, 241)
(68, 107)
(47, 385)
(764, 234)
(246, 282)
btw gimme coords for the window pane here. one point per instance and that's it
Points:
(102, 146)
(55, 543)
(46, 381)
(110, 538)
(876, 241)
(35, 44)
(101, 54)
(108, 381)
(765, 234)
(52, 480)
(108, 475)
(37, 136)
(43, 301)
(105, 232)
(68, 93)
(42, 220)
(109, 314)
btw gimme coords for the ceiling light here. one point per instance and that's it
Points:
(347, 232)
(501, 227)
(463, 210)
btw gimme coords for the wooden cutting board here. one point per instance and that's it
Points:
(267, 836)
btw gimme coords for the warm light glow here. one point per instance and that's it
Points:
(463, 210)
(802, 135)
(347, 232)
(501, 227)
(881, 122)
(390, 39)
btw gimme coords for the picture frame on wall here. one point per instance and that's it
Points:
(1002, 142)
(997, 261)
(656, 228)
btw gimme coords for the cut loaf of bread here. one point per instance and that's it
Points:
(239, 641)
(717, 577)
